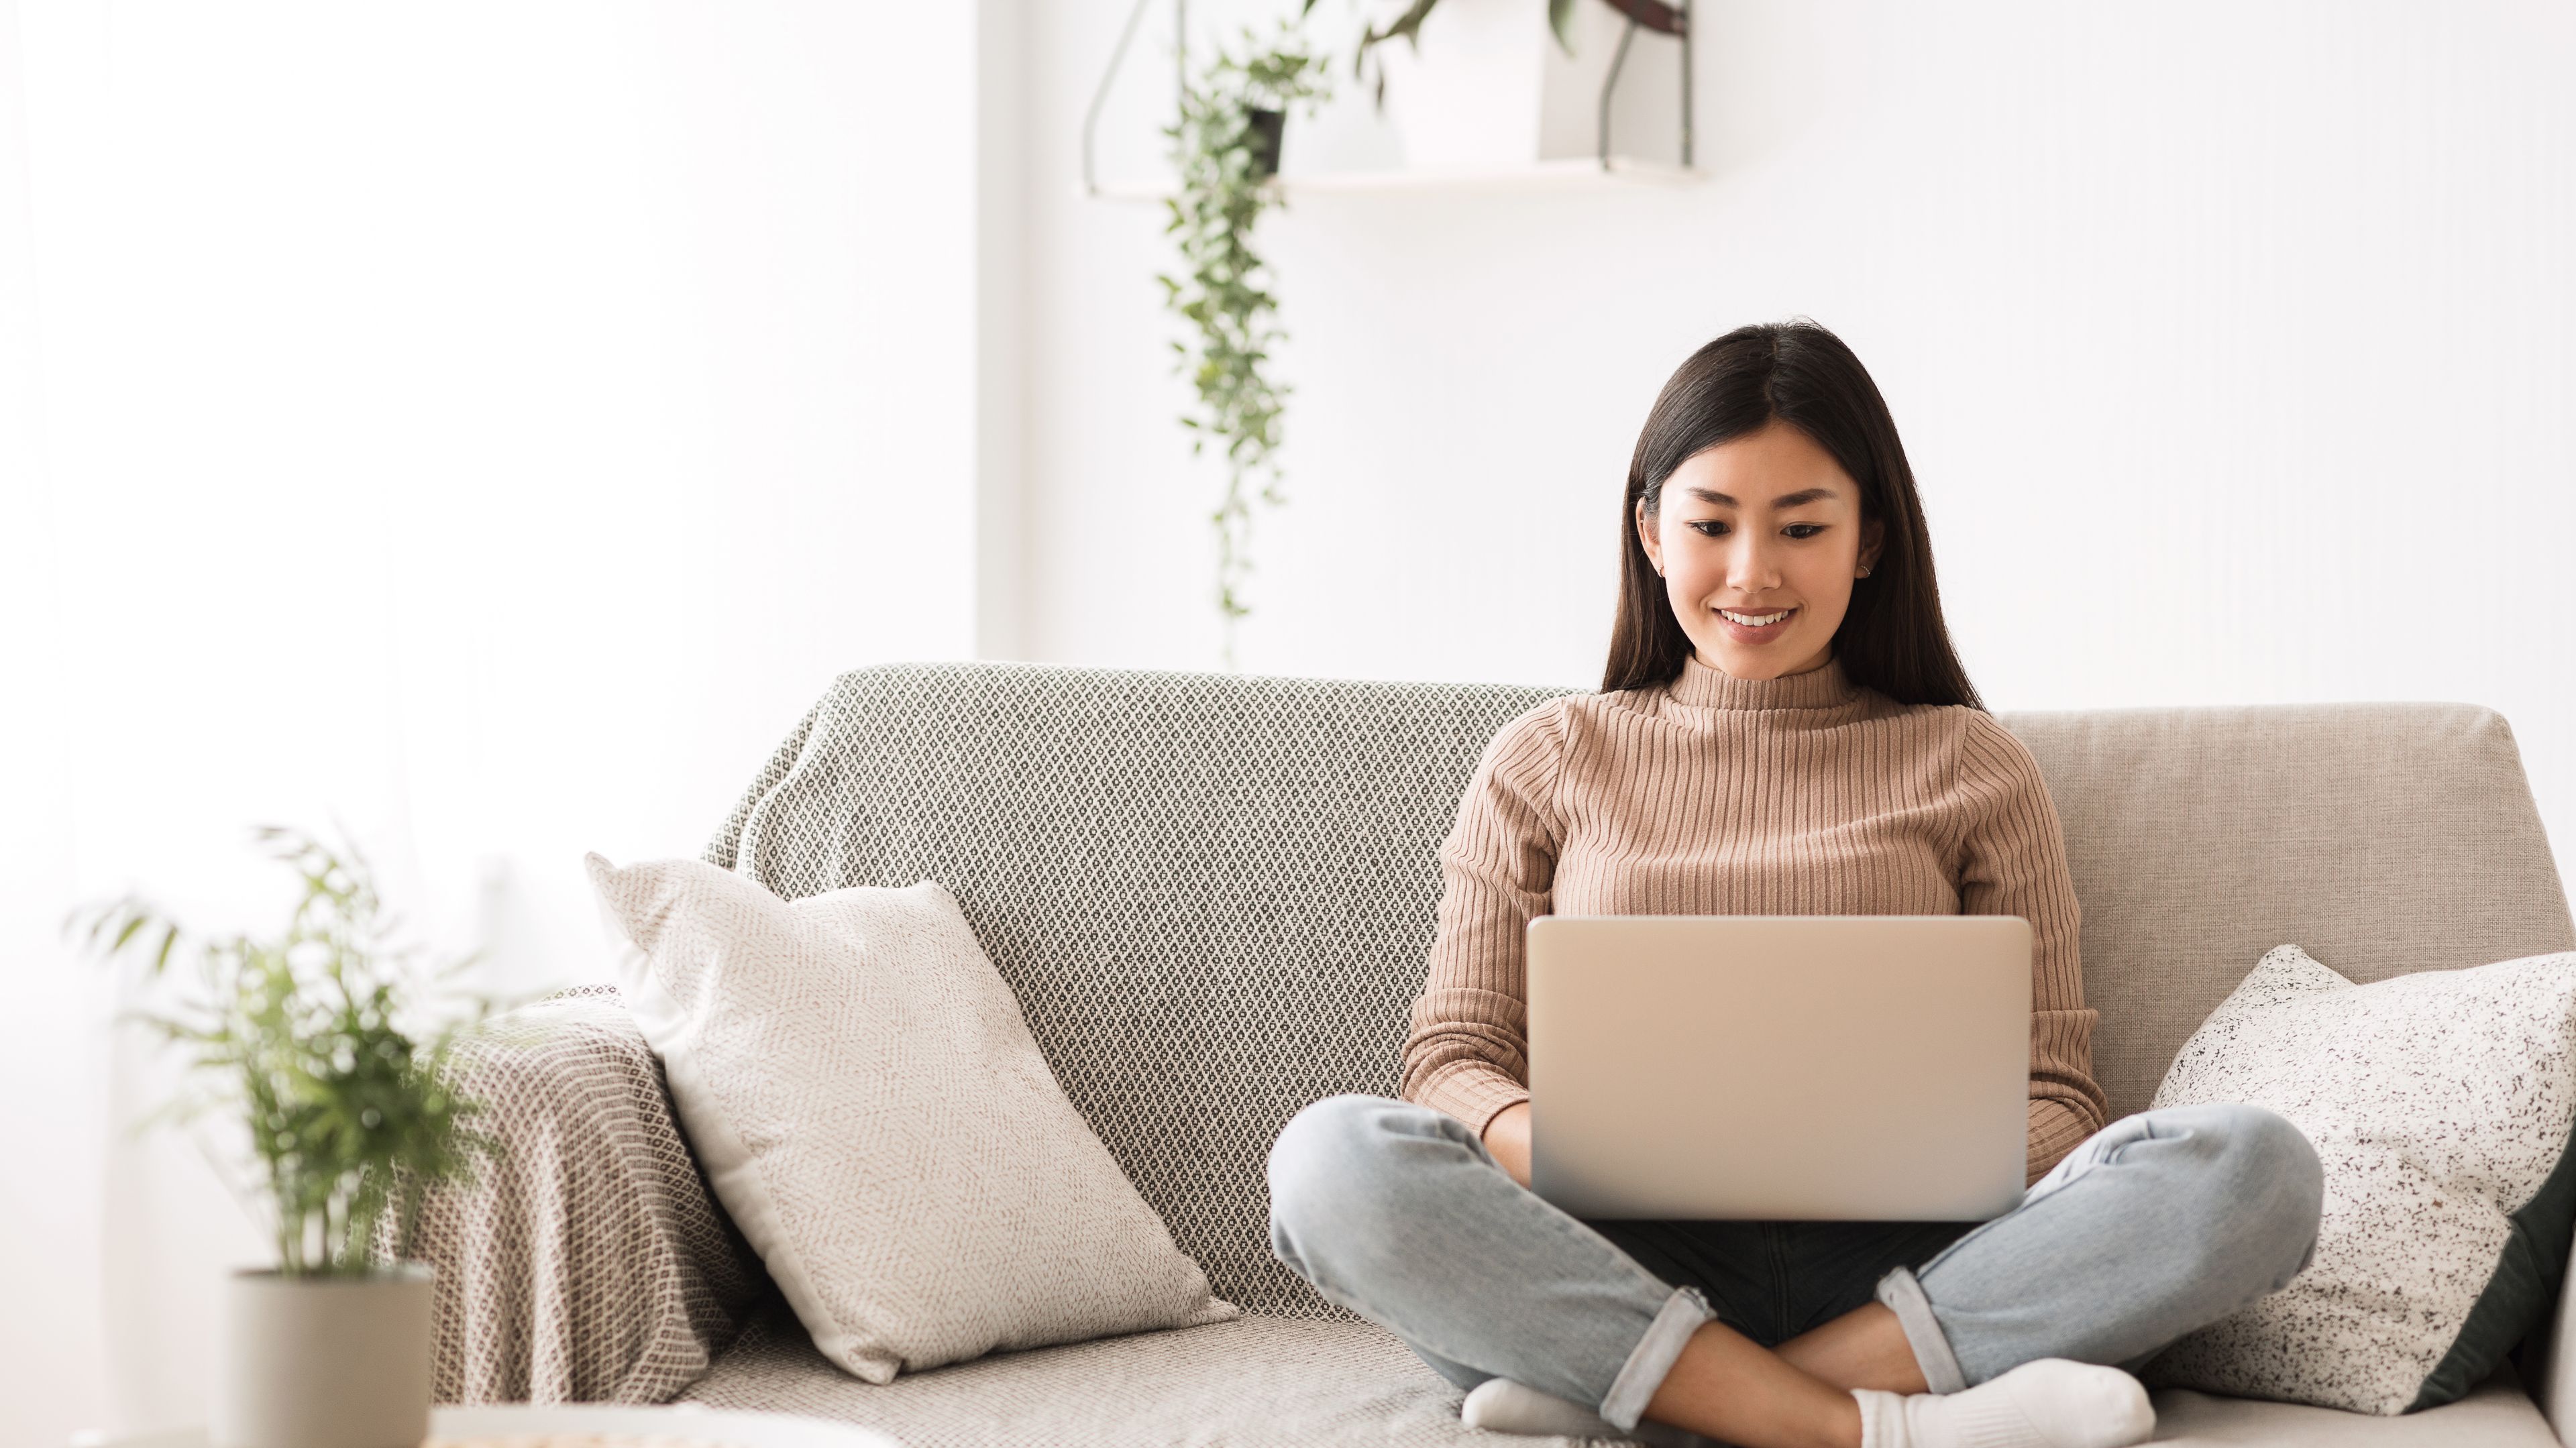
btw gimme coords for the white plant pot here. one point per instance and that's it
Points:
(1487, 88)
(325, 1362)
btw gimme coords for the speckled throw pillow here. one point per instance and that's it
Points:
(2440, 1104)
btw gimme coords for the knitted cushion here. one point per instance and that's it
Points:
(865, 1097)
(2440, 1104)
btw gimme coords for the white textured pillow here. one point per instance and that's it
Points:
(867, 1101)
(2440, 1104)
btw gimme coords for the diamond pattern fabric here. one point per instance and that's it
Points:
(588, 1263)
(1212, 895)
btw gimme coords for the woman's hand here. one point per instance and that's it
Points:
(1507, 1137)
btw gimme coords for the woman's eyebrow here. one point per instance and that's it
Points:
(1785, 500)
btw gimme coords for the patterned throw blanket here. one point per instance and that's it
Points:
(589, 1263)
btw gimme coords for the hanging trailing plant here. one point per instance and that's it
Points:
(1225, 146)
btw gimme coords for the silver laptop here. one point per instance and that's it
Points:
(1788, 1067)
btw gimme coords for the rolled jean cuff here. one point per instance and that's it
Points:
(1904, 1296)
(1654, 1356)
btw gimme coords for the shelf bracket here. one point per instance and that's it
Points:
(1117, 58)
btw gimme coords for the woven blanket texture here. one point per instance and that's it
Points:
(1213, 895)
(588, 1263)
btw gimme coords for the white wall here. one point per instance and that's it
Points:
(491, 424)
(2234, 347)
(53, 1018)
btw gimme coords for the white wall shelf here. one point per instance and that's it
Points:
(1602, 163)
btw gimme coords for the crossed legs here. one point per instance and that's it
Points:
(2157, 1225)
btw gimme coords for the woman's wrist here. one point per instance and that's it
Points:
(1507, 1140)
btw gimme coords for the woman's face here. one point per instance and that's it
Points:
(1759, 540)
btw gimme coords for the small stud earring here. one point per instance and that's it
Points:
(1864, 570)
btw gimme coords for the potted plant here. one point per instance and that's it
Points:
(1225, 146)
(329, 1042)
(1481, 87)
(1652, 14)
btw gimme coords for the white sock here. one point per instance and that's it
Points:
(2051, 1403)
(1499, 1405)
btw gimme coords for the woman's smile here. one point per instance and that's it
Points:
(1751, 627)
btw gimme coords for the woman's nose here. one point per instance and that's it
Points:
(1748, 566)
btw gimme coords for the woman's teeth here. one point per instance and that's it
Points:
(1755, 620)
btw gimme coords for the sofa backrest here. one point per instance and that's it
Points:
(1214, 894)
(2384, 838)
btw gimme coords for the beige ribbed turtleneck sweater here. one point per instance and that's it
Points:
(1805, 795)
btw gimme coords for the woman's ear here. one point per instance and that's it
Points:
(1873, 536)
(1646, 535)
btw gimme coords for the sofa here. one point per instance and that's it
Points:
(1213, 896)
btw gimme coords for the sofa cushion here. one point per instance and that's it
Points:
(1265, 1381)
(2497, 1414)
(1251, 1383)
(864, 1095)
(2440, 1105)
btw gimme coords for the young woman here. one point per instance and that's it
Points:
(1783, 728)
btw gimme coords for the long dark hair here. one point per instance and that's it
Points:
(1892, 638)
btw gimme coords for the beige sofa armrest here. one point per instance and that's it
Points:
(588, 1263)
(2548, 1362)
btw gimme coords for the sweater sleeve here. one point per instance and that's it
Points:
(1467, 1054)
(2013, 862)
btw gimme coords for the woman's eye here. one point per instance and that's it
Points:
(1719, 528)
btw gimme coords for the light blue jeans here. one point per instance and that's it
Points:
(2160, 1223)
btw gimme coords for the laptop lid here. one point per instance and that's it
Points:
(1780, 1067)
